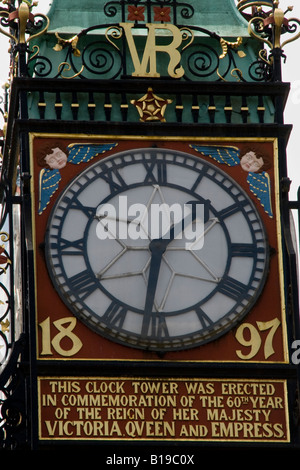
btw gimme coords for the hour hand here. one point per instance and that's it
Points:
(157, 248)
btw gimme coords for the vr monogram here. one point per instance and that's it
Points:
(147, 67)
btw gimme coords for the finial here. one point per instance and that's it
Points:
(23, 16)
(267, 21)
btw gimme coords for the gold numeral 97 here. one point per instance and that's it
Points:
(248, 335)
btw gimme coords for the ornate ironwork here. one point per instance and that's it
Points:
(149, 10)
(21, 24)
(216, 60)
(269, 27)
(12, 384)
(100, 51)
(12, 413)
(13, 433)
(268, 24)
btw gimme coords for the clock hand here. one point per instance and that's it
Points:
(157, 247)
(157, 250)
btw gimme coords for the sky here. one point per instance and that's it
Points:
(291, 74)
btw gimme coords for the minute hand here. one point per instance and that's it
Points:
(157, 247)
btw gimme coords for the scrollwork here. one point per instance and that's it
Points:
(108, 58)
(99, 60)
(116, 33)
(237, 73)
(66, 66)
(43, 23)
(256, 29)
(293, 26)
(187, 11)
(110, 9)
(203, 63)
(12, 404)
(40, 66)
(269, 27)
(259, 70)
(187, 33)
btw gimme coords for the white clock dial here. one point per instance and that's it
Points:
(143, 285)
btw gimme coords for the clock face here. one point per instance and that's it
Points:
(156, 249)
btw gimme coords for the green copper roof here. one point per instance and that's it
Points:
(219, 16)
(201, 55)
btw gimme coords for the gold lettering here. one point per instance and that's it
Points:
(155, 387)
(151, 49)
(191, 430)
(89, 413)
(155, 409)
(199, 388)
(104, 387)
(185, 414)
(49, 400)
(125, 413)
(64, 386)
(229, 388)
(216, 402)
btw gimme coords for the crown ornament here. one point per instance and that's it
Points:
(268, 23)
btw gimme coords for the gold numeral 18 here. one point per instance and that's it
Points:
(63, 332)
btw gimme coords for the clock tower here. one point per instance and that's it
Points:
(149, 270)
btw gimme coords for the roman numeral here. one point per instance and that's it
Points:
(204, 319)
(69, 248)
(115, 315)
(113, 178)
(199, 179)
(161, 170)
(77, 205)
(83, 284)
(232, 288)
(247, 250)
(155, 327)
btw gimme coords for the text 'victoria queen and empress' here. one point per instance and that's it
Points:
(154, 409)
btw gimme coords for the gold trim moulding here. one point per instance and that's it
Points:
(137, 138)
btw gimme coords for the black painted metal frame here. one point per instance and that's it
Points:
(22, 365)
(18, 381)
